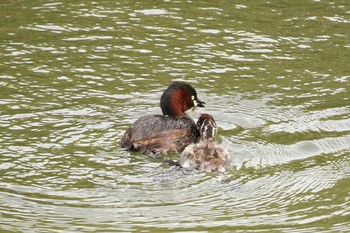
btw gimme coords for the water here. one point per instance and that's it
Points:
(74, 76)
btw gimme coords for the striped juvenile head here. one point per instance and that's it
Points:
(207, 127)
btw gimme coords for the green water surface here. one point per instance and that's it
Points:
(75, 74)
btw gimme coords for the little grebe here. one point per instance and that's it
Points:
(207, 154)
(167, 133)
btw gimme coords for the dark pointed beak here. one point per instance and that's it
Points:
(200, 103)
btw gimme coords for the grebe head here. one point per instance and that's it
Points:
(178, 98)
(207, 127)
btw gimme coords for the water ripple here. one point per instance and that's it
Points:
(76, 75)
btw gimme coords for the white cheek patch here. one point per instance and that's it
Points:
(195, 103)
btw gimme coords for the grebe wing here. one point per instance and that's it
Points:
(158, 134)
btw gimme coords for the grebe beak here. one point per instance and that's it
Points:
(200, 103)
(197, 102)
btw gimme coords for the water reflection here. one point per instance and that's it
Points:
(76, 75)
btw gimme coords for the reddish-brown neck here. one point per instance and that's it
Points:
(176, 102)
(180, 102)
(177, 99)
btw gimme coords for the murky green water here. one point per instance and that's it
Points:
(75, 74)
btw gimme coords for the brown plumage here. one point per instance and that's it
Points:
(207, 154)
(167, 133)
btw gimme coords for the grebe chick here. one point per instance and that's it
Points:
(207, 154)
(168, 133)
